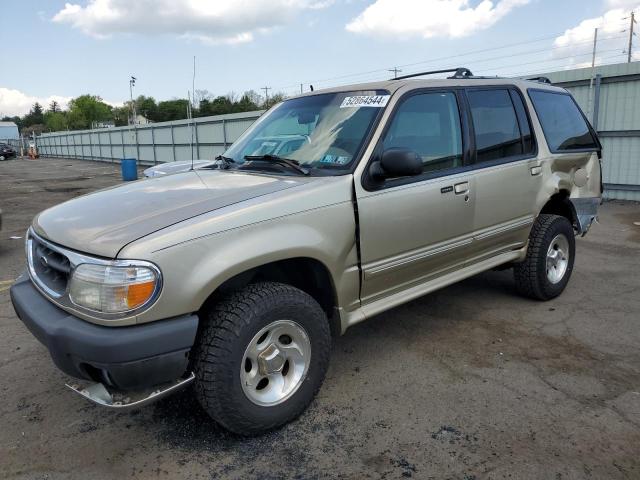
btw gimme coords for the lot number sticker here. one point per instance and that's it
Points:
(377, 101)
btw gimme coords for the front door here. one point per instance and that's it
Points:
(413, 229)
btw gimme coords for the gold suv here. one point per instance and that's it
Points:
(236, 276)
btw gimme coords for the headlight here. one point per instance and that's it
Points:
(112, 289)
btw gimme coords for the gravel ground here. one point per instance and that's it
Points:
(470, 382)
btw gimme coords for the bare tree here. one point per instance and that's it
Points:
(201, 95)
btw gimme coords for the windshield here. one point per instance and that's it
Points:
(324, 133)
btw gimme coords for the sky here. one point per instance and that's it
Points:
(59, 50)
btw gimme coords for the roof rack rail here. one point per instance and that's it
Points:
(540, 80)
(459, 72)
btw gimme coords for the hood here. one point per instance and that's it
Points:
(103, 222)
(175, 167)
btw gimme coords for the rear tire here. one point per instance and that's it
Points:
(261, 357)
(546, 270)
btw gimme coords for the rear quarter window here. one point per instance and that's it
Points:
(564, 125)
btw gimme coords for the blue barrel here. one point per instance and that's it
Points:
(129, 168)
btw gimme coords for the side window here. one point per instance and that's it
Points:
(496, 125)
(563, 124)
(429, 124)
(528, 144)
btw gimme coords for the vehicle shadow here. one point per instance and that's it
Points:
(182, 413)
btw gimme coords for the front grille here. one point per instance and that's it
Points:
(50, 267)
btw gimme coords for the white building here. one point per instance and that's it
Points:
(8, 131)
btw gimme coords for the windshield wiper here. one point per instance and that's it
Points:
(293, 164)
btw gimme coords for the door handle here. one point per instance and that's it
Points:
(536, 170)
(461, 188)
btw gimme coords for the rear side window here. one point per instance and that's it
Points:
(500, 123)
(564, 126)
(428, 124)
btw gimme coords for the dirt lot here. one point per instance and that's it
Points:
(470, 382)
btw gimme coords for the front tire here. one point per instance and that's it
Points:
(546, 270)
(261, 357)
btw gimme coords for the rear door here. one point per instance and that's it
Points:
(414, 229)
(506, 170)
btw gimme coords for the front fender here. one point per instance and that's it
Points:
(193, 270)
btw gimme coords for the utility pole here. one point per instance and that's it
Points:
(301, 89)
(266, 94)
(395, 71)
(593, 70)
(134, 132)
(132, 83)
(631, 34)
(595, 43)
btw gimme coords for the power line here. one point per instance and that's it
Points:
(395, 71)
(548, 61)
(541, 69)
(474, 63)
(376, 74)
(341, 77)
(530, 52)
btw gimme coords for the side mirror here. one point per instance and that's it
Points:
(397, 162)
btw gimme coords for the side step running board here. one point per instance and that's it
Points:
(98, 394)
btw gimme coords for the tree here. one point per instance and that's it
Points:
(86, 109)
(55, 121)
(172, 110)
(248, 102)
(202, 95)
(54, 107)
(121, 115)
(217, 106)
(273, 99)
(37, 128)
(147, 107)
(34, 117)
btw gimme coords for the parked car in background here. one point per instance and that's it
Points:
(275, 145)
(236, 279)
(6, 151)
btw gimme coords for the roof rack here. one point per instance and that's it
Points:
(459, 72)
(540, 80)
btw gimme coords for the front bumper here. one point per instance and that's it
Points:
(125, 358)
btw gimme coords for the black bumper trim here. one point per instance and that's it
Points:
(124, 357)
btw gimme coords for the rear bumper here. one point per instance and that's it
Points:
(125, 358)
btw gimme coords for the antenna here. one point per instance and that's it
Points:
(191, 97)
(190, 121)
(631, 34)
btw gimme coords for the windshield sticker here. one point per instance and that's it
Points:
(377, 101)
(335, 159)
